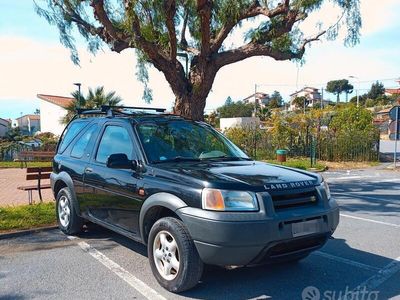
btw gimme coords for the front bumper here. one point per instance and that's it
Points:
(239, 239)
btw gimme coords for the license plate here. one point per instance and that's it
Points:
(304, 228)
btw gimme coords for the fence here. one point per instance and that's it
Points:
(262, 144)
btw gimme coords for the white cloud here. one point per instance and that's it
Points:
(29, 67)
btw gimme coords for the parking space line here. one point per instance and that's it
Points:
(134, 282)
(370, 220)
(376, 280)
(354, 195)
(346, 261)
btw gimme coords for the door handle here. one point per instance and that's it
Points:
(88, 170)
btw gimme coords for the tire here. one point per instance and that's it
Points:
(67, 218)
(184, 264)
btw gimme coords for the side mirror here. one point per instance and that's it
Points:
(120, 161)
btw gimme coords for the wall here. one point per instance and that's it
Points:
(226, 123)
(3, 127)
(50, 117)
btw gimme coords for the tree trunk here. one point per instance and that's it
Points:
(191, 101)
(190, 107)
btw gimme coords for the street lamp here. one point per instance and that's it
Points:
(358, 96)
(78, 84)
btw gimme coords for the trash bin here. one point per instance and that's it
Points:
(281, 155)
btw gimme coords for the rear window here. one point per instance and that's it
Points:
(80, 146)
(71, 132)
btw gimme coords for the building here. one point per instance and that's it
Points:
(29, 124)
(261, 99)
(312, 95)
(52, 111)
(4, 127)
(242, 122)
(393, 91)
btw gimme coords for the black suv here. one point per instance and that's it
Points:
(187, 192)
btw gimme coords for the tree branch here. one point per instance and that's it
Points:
(170, 9)
(253, 10)
(101, 16)
(183, 42)
(204, 10)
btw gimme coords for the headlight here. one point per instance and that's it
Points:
(213, 199)
(325, 185)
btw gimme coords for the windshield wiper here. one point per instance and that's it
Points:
(175, 159)
(226, 157)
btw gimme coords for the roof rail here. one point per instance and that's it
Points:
(106, 108)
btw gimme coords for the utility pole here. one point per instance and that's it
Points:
(255, 100)
(322, 98)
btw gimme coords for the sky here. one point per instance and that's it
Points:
(33, 61)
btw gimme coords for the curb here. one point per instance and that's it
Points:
(19, 233)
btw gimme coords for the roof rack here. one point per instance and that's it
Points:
(110, 110)
(105, 108)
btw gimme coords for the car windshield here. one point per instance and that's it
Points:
(180, 140)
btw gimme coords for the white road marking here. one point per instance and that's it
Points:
(370, 220)
(376, 280)
(134, 282)
(345, 260)
(353, 195)
(346, 177)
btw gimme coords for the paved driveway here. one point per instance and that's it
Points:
(10, 179)
(363, 258)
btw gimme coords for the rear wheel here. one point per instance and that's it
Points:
(173, 256)
(67, 218)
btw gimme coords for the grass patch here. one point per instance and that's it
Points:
(299, 163)
(17, 164)
(27, 216)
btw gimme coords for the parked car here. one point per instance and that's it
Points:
(188, 193)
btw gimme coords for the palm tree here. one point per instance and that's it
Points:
(94, 99)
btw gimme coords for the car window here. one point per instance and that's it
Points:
(115, 139)
(164, 141)
(80, 146)
(70, 133)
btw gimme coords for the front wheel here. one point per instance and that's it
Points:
(173, 256)
(68, 220)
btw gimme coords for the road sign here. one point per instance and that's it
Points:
(394, 127)
(394, 113)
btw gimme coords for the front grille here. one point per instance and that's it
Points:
(289, 200)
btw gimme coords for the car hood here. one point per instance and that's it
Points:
(244, 173)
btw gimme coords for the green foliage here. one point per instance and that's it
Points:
(349, 135)
(300, 102)
(339, 86)
(27, 216)
(377, 90)
(14, 135)
(276, 100)
(94, 99)
(352, 119)
(228, 101)
(235, 110)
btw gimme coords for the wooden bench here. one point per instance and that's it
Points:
(25, 156)
(36, 174)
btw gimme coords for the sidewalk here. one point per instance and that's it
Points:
(10, 179)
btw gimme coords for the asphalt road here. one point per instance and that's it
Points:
(363, 257)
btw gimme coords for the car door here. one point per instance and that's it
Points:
(111, 194)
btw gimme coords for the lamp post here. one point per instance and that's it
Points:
(78, 84)
(357, 95)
